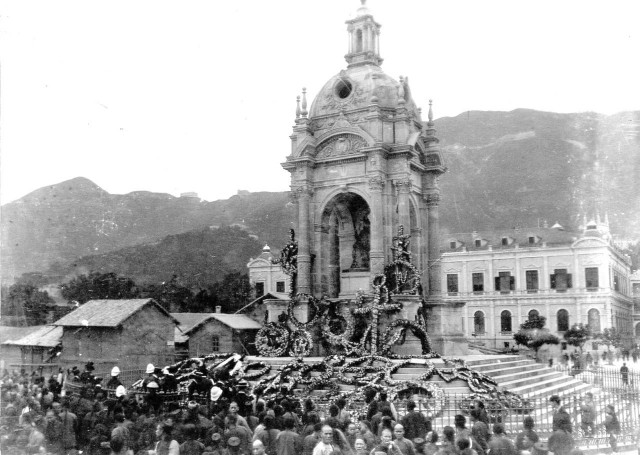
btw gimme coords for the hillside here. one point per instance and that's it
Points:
(197, 258)
(505, 169)
(76, 218)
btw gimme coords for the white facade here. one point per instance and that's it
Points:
(567, 278)
(266, 277)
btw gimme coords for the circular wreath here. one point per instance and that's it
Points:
(250, 371)
(300, 343)
(390, 337)
(315, 303)
(431, 406)
(272, 340)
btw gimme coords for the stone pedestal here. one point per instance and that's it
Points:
(444, 325)
(410, 306)
(352, 282)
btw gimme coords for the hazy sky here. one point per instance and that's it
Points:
(176, 96)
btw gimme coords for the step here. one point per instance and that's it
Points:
(511, 374)
(513, 369)
(544, 377)
(571, 387)
(550, 382)
(489, 367)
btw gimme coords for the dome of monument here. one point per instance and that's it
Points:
(359, 87)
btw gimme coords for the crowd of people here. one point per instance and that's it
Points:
(41, 416)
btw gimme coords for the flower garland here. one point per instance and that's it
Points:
(301, 343)
(416, 329)
(246, 374)
(272, 340)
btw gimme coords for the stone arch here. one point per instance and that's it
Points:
(370, 140)
(345, 245)
(562, 317)
(505, 321)
(479, 323)
(593, 319)
(532, 312)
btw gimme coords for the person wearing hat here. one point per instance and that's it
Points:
(233, 446)
(166, 445)
(114, 382)
(152, 399)
(415, 424)
(191, 445)
(151, 376)
(234, 429)
(214, 446)
(87, 375)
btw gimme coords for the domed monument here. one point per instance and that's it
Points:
(362, 164)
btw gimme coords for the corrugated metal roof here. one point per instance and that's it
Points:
(106, 313)
(48, 336)
(187, 321)
(237, 321)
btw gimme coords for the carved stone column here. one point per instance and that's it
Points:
(304, 234)
(376, 255)
(404, 188)
(433, 263)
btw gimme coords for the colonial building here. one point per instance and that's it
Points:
(505, 276)
(266, 277)
(127, 333)
(635, 293)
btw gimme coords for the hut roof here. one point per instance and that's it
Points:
(107, 313)
(48, 336)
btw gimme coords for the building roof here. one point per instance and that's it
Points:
(8, 333)
(260, 299)
(237, 321)
(186, 322)
(47, 336)
(519, 237)
(107, 313)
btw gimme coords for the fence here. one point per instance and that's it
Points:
(603, 377)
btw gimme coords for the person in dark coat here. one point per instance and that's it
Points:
(415, 424)
(561, 418)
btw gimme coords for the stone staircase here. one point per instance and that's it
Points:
(513, 373)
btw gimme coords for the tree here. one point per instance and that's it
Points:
(610, 337)
(578, 335)
(533, 335)
(98, 285)
(232, 293)
(26, 301)
(172, 295)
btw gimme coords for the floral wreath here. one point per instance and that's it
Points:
(272, 340)
(404, 324)
(300, 343)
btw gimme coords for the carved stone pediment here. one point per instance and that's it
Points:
(340, 145)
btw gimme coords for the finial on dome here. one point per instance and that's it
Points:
(298, 106)
(304, 102)
(430, 112)
(401, 99)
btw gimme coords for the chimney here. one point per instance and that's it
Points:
(218, 309)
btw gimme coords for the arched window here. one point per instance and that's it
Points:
(478, 323)
(563, 320)
(638, 330)
(215, 344)
(594, 320)
(505, 321)
(533, 314)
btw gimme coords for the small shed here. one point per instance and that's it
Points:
(219, 332)
(38, 350)
(129, 333)
(11, 354)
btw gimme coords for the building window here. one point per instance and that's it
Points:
(505, 241)
(453, 245)
(504, 282)
(591, 278)
(560, 280)
(505, 321)
(215, 344)
(452, 283)
(279, 286)
(532, 281)
(638, 331)
(259, 289)
(594, 345)
(533, 314)
(563, 320)
(478, 323)
(478, 243)
(478, 282)
(593, 319)
(532, 240)
(616, 282)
